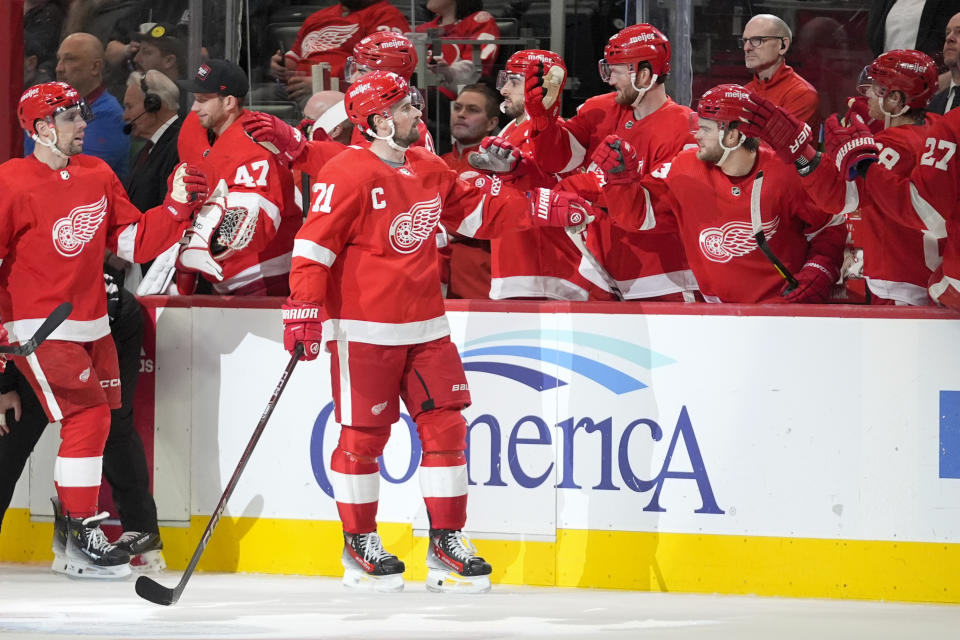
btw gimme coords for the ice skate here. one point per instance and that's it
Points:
(366, 565)
(86, 553)
(453, 564)
(144, 549)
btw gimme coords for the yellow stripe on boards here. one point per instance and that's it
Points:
(671, 562)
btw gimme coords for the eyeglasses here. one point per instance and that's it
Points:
(757, 41)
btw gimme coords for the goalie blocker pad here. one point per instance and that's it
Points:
(219, 231)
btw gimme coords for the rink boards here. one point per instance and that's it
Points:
(638, 446)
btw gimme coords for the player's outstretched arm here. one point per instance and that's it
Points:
(276, 136)
(790, 138)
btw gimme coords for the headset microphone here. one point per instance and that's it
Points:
(127, 128)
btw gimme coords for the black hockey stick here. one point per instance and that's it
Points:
(54, 320)
(761, 237)
(155, 592)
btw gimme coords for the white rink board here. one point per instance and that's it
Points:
(805, 427)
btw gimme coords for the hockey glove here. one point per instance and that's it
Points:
(815, 281)
(860, 106)
(852, 147)
(186, 191)
(788, 136)
(541, 98)
(219, 231)
(302, 325)
(275, 135)
(618, 160)
(560, 209)
(496, 155)
(113, 296)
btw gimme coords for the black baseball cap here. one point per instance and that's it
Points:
(222, 77)
(165, 37)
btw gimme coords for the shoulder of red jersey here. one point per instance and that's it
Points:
(422, 156)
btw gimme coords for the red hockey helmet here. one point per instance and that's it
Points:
(723, 103)
(911, 72)
(635, 44)
(45, 101)
(384, 51)
(375, 93)
(519, 62)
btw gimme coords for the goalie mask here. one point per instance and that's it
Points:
(383, 51)
(375, 94)
(633, 46)
(912, 73)
(723, 104)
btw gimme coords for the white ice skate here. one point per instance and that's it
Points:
(453, 564)
(367, 566)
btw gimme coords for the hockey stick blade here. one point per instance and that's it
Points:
(151, 590)
(155, 592)
(54, 320)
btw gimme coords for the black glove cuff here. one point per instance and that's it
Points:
(804, 166)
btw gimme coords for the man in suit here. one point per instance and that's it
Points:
(150, 107)
(949, 98)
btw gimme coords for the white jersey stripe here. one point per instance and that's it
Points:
(346, 393)
(386, 333)
(51, 400)
(312, 251)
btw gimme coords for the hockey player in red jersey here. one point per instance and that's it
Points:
(541, 262)
(386, 51)
(364, 283)
(59, 211)
(635, 64)
(243, 237)
(329, 35)
(715, 196)
(899, 252)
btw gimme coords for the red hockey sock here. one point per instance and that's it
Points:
(443, 480)
(356, 488)
(79, 464)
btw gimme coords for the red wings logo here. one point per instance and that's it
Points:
(327, 38)
(732, 240)
(409, 229)
(78, 227)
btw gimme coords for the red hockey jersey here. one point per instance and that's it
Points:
(537, 263)
(330, 34)
(644, 265)
(256, 181)
(367, 250)
(712, 212)
(476, 26)
(54, 228)
(898, 258)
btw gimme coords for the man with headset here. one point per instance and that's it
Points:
(150, 107)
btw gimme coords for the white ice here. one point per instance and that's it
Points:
(36, 604)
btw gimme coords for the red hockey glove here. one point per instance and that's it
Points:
(302, 324)
(860, 106)
(852, 147)
(275, 135)
(788, 136)
(815, 281)
(541, 98)
(560, 209)
(618, 160)
(305, 126)
(186, 191)
(4, 341)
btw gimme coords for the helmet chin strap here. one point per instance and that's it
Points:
(50, 144)
(389, 138)
(887, 117)
(640, 92)
(721, 134)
